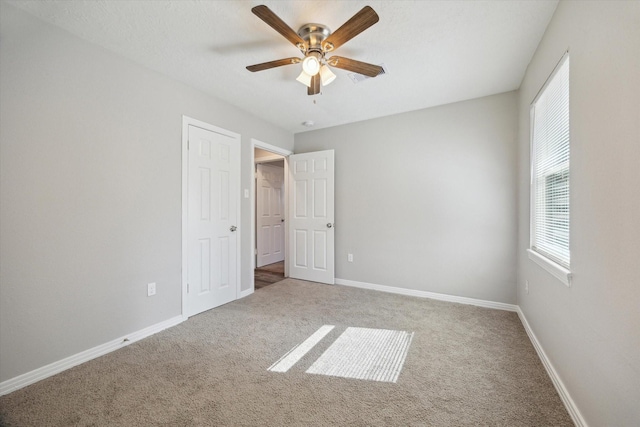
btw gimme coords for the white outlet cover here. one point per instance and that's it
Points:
(151, 289)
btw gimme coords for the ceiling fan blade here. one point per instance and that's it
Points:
(314, 89)
(273, 64)
(267, 15)
(355, 66)
(354, 26)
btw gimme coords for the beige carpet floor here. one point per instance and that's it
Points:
(466, 366)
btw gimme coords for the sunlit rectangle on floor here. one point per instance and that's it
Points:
(366, 354)
(295, 354)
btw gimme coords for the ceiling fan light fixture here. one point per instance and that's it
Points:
(304, 78)
(314, 42)
(326, 75)
(311, 65)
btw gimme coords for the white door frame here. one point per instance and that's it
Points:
(186, 122)
(285, 153)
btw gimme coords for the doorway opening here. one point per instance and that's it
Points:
(268, 275)
(269, 200)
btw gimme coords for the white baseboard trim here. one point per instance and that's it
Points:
(573, 410)
(425, 294)
(51, 369)
(246, 293)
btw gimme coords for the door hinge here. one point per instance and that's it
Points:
(255, 251)
(187, 144)
(187, 288)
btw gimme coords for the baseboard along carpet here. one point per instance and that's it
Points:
(306, 354)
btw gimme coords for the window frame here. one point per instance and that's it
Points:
(561, 272)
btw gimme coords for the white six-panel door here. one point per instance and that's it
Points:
(213, 185)
(270, 214)
(311, 216)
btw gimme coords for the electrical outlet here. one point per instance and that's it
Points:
(350, 257)
(526, 286)
(151, 289)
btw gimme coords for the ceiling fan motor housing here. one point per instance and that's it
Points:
(314, 35)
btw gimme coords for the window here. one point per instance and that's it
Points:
(550, 174)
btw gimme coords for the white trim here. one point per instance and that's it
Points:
(268, 159)
(573, 410)
(426, 294)
(268, 147)
(51, 369)
(185, 211)
(556, 270)
(286, 224)
(565, 55)
(186, 122)
(246, 293)
(280, 152)
(552, 267)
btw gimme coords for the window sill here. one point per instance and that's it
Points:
(556, 270)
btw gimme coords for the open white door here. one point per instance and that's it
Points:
(311, 216)
(212, 239)
(269, 214)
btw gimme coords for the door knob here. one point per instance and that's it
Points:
(233, 228)
(329, 225)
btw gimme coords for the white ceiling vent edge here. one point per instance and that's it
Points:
(358, 78)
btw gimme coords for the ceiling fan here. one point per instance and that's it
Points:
(315, 41)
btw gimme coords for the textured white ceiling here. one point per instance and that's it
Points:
(436, 52)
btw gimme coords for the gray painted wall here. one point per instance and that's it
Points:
(591, 331)
(91, 192)
(426, 200)
(90, 180)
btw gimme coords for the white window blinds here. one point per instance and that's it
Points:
(550, 167)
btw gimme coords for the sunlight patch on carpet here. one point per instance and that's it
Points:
(296, 353)
(365, 354)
